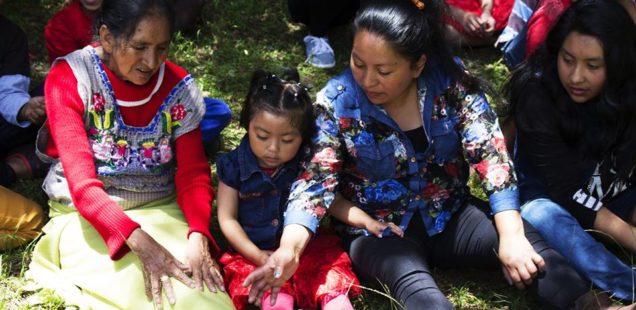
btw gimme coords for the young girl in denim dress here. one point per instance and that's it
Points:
(254, 184)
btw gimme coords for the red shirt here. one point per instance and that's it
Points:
(68, 30)
(65, 110)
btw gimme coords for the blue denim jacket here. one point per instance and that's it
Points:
(261, 197)
(362, 153)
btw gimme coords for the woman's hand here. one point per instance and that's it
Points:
(519, 261)
(158, 266)
(202, 265)
(376, 228)
(278, 268)
(280, 265)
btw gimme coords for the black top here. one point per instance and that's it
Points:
(14, 50)
(418, 139)
(548, 167)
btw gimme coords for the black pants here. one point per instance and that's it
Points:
(469, 240)
(321, 15)
(12, 136)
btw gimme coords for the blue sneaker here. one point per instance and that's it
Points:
(319, 52)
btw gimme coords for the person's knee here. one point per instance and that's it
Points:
(540, 212)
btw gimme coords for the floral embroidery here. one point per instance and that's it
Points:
(98, 102)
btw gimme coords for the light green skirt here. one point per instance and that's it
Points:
(72, 259)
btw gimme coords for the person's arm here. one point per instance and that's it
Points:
(65, 110)
(469, 21)
(519, 261)
(280, 266)
(348, 213)
(486, 20)
(228, 205)
(192, 182)
(14, 96)
(485, 149)
(194, 197)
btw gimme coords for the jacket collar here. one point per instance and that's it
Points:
(248, 163)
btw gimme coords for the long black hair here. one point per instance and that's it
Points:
(615, 107)
(413, 29)
(281, 96)
(122, 16)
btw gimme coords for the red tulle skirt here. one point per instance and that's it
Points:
(500, 11)
(324, 271)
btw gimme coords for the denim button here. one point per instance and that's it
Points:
(274, 192)
(413, 159)
(340, 88)
(418, 197)
(275, 222)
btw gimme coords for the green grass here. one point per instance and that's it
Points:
(234, 38)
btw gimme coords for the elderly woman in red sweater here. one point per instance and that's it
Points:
(129, 185)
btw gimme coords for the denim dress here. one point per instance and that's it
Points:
(261, 198)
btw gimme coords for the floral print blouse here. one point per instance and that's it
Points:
(362, 153)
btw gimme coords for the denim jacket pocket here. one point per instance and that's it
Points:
(376, 161)
(445, 140)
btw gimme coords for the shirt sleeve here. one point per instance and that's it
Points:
(485, 149)
(14, 94)
(548, 154)
(192, 180)
(314, 190)
(227, 170)
(65, 111)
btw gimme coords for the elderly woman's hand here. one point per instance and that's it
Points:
(204, 268)
(158, 266)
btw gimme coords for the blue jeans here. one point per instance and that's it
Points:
(588, 256)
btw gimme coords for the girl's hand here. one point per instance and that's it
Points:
(472, 24)
(280, 266)
(158, 266)
(519, 262)
(202, 265)
(376, 228)
(487, 23)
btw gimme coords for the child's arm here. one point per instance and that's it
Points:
(227, 201)
(348, 213)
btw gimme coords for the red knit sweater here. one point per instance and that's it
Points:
(68, 30)
(65, 112)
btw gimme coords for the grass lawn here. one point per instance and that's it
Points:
(235, 37)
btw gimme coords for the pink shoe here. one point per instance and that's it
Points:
(340, 302)
(284, 301)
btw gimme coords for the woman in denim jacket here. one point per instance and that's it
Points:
(397, 133)
(577, 162)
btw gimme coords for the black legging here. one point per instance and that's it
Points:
(469, 240)
(321, 15)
